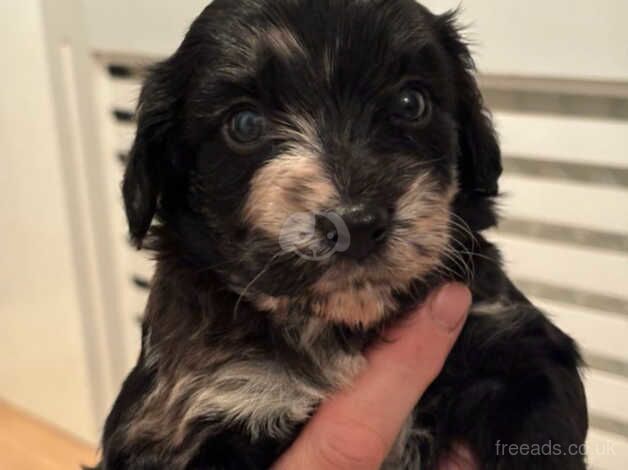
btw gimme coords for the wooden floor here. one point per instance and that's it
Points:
(27, 443)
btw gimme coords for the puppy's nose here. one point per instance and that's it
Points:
(367, 226)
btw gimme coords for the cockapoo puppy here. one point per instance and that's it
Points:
(305, 171)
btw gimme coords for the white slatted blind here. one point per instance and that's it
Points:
(565, 229)
(119, 84)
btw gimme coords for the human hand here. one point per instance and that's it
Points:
(356, 428)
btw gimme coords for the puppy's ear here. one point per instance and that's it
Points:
(151, 151)
(480, 156)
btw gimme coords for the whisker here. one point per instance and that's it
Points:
(461, 224)
(253, 281)
(465, 271)
(479, 255)
(461, 250)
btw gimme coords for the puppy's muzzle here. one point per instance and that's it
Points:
(367, 225)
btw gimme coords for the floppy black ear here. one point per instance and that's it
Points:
(480, 156)
(150, 153)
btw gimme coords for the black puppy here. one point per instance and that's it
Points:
(315, 168)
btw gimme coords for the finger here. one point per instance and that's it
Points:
(357, 427)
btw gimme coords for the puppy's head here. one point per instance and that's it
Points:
(315, 154)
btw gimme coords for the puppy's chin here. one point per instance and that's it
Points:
(357, 307)
(359, 297)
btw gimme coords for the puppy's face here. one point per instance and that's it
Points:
(314, 153)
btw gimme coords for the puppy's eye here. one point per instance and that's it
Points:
(410, 106)
(246, 128)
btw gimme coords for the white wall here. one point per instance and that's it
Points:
(561, 38)
(162, 23)
(42, 362)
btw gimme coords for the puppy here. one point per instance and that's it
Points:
(314, 169)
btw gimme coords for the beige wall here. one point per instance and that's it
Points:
(43, 363)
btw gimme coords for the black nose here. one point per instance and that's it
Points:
(366, 226)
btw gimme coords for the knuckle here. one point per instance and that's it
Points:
(350, 445)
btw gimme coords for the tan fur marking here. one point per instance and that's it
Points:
(356, 307)
(271, 200)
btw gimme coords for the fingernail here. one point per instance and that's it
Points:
(450, 305)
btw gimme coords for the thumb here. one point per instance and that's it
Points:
(357, 427)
